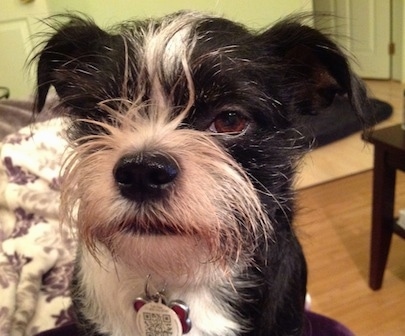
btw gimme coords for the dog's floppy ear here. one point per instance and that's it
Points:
(315, 68)
(72, 60)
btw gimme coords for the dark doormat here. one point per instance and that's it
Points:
(339, 121)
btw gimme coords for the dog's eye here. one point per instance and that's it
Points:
(229, 122)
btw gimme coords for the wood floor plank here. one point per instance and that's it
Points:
(333, 222)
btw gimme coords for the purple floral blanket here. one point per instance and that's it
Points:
(36, 253)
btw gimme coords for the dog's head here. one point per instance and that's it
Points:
(185, 129)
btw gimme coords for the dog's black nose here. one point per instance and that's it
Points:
(142, 177)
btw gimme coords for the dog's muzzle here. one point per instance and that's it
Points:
(142, 177)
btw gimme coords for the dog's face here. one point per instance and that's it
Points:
(184, 133)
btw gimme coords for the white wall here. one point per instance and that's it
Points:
(18, 21)
(254, 13)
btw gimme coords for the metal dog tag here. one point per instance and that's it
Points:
(157, 319)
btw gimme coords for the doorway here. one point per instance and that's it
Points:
(367, 29)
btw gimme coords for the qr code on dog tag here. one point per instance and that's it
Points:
(156, 319)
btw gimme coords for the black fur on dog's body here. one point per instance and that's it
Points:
(173, 91)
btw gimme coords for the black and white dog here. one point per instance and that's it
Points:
(185, 137)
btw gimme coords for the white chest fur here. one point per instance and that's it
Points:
(110, 288)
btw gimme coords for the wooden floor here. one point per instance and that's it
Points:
(334, 227)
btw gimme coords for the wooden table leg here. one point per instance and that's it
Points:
(382, 216)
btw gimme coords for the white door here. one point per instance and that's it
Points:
(18, 25)
(397, 24)
(363, 28)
